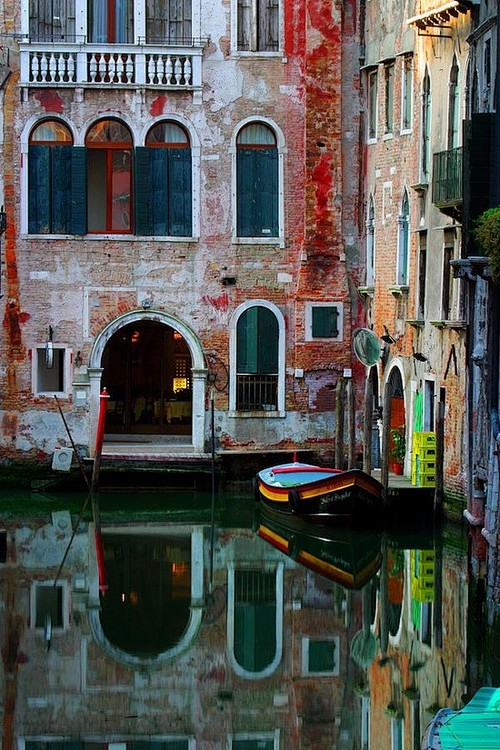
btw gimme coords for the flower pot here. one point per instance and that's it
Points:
(396, 468)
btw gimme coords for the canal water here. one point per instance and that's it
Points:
(181, 620)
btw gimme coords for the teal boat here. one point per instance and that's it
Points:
(474, 727)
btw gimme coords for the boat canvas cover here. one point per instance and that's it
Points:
(476, 726)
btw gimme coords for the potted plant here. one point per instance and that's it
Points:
(397, 450)
(487, 235)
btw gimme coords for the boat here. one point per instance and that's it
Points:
(474, 727)
(320, 494)
(350, 557)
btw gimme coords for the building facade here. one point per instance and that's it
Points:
(177, 221)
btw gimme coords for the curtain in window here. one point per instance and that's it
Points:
(101, 13)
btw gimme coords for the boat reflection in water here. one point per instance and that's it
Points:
(260, 632)
(350, 558)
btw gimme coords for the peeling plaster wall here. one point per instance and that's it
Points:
(78, 285)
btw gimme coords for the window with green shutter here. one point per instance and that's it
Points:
(50, 179)
(257, 338)
(254, 619)
(257, 182)
(325, 322)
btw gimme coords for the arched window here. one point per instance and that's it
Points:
(164, 203)
(370, 244)
(426, 127)
(109, 177)
(403, 241)
(257, 182)
(257, 360)
(49, 178)
(111, 21)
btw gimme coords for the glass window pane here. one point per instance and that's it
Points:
(51, 131)
(256, 134)
(108, 131)
(165, 133)
(120, 189)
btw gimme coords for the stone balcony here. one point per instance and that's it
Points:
(70, 65)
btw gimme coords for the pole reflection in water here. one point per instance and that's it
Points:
(309, 637)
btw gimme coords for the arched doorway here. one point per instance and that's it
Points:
(147, 373)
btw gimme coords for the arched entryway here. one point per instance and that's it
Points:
(153, 367)
(147, 373)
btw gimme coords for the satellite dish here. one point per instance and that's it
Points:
(366, 346)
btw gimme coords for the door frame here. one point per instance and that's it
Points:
(199, 369)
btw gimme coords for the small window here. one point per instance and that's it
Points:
(407, 93)
(426, 127)
(372, 104)
(320, 656)
(48, 601)
(403, 241)
(257, 182)
(389, 97)
(324, 320)
(258, 25)
(50, 370)
(257, 336)
(454, 106)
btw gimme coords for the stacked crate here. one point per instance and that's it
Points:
(423, 459)
(422, 575)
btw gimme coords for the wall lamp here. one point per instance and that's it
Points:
(387, 338)
(420, 357)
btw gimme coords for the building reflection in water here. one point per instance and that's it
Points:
(304, 638)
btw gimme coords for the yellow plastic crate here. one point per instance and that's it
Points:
(426, 480)
(424, 597)
(424, 439)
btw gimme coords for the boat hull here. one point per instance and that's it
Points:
(322, 495)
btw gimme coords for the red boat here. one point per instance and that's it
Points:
(320, 494)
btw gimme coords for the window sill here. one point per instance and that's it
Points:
(275, 414)
(117, 237)
(239, 53)
(417, 323)
(457, 325)
(388, 136)
(366, 291)
(258, 241)
(399, 290)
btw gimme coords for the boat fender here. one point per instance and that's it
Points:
(294, 500)
(255, 488)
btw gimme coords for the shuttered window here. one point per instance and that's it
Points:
(164, 204)
(257, 341)
(257, 182)
(52, 20)
(50, 179)
(258, 25)
(169, 21)
(325, 322)
(254, 619)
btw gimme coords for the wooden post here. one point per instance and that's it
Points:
(339, 426)
(368, 425)
(103, 400)
(386, 426)
(351, 424)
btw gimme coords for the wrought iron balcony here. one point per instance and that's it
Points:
(447, 191)
(75, 65)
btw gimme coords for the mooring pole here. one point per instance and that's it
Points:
(103, 402)
(212, 515)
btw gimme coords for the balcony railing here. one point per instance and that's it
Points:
(447, 178)
(76, 65)
(256, 392)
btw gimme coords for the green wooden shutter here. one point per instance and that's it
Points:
(324, 322)
(78, 190)
(247, 337)
(179, 192)
(144, 200)
(39, 190)
(255, 635)
(61, 157)
(257, 192)
(321, 656)
(268, 334)
(159, 191)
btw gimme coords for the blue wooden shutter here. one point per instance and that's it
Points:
(159, 190)
(144, 200)
(78, 190)
(38, 189)
(179, 192)
(61, 157)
